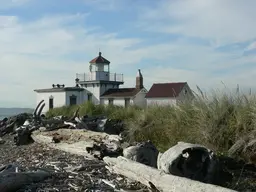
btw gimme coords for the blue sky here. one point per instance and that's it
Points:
(202, 42)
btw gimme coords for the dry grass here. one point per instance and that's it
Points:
(217, 122)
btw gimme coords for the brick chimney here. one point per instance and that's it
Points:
(139, 80)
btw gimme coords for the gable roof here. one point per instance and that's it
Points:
(100, 59)
(121, 92)
(165, 89)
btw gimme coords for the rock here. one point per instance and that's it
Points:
(57, 138)
(101, 150)
(12, 180)
(42, 129)
(23, 137)
(145, 153)
(9, 168)
(1, 141)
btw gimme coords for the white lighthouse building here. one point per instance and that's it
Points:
(98, 86)
(99, 79)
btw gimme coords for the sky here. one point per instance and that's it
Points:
(207, 43)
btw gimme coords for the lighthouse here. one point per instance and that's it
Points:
(99, 79)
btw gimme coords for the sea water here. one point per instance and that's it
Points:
(8, 112)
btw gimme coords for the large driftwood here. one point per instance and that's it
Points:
(152, 177)
(77, 141)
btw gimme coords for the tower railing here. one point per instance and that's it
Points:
(100, 76)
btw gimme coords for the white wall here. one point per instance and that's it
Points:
(81, 96)
(59, 99)
(98, 90)
(119, 102)
(161, 101)
(116, 101)
(95, 91)
(139, 99)
(188, 96)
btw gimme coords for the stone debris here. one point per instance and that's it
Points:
(145, 153)
(22, 125)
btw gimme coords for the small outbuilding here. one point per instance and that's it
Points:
(127, 96)
(169, 93)
(59, 96)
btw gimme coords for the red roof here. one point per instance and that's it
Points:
(100, 59)
(165, 89)
(123, 92)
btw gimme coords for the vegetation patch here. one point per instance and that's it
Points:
(218, 121)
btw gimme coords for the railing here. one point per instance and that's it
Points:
(100, 76)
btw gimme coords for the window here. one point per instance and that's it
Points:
(110, 101)
(127, 102)
(72, 100)
(89, 97)
(51, 103)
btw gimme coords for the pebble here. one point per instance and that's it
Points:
(2, 141)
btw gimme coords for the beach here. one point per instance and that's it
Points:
(70, 172)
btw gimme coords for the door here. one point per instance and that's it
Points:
(127, 102)
(72, 100)
(50, 103)
(110, 101)
(89, 97)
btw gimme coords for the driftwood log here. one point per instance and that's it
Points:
(81, 142)
(11, 179)
(156, 179)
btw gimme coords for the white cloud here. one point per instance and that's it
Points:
(38, 53)
(218, 20)
(34, 54)
(252, 46)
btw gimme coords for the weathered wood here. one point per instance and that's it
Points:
(13, 181)
(75, 114)
(37, 107)
(152, 177)
(77, 141)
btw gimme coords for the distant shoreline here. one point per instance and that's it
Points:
(8, 112)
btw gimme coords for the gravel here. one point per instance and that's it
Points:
(70, 172)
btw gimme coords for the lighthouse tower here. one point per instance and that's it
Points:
(99, 79)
